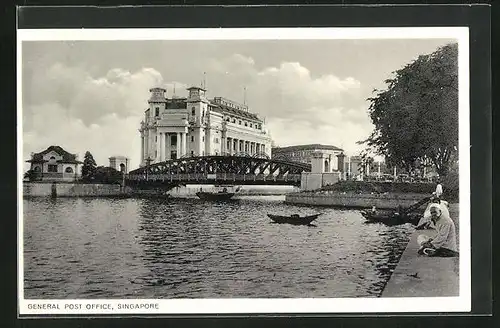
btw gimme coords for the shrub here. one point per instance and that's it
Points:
(392, 187)
(107, 175)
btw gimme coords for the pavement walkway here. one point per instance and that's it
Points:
(421, 276)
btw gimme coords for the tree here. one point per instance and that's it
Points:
(106, 175)
(416, 118)
(30, 175)
(89, 167)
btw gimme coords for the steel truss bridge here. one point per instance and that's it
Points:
(231, 170)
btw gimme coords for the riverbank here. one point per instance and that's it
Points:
(39, 189)
(354, 200)
(422, 276)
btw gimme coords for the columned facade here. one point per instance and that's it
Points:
(196, 126)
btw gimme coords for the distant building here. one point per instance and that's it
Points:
(356, 170)
(119, 163)
(333, 156)
(353, 167)
(197, 126)
(55, 164)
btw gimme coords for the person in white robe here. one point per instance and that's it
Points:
(444, 243)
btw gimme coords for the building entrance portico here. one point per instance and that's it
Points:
(171, 145)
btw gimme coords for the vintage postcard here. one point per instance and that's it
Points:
(239, 171)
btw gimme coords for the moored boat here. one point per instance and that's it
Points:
(221, 195)
(294, 219)
(390, 218)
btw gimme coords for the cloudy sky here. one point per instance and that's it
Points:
(91, 95)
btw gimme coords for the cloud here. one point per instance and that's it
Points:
(299, 107)
(67, 106)
(82, 113)
(110, 135)
(336, 129)
(82, 96)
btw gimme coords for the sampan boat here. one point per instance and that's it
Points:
(294, 219)
(390, 218)
(215, 195)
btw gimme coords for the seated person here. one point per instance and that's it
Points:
(445, 242)
(426, 222)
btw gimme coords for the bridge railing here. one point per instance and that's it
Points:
(228, 177)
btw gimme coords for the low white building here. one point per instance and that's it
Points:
(55, 164)
(119, 163)
(333, 157)
(197, 126)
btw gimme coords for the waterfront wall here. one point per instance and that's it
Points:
(243, 191)
(313, 181)
(436, 276)
(36, 189)
(354, 200)
(46, 189)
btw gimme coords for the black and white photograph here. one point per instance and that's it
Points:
(284, 170)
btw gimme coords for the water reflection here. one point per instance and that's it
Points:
(188, 248)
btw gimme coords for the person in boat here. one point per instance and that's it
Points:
(444, 244)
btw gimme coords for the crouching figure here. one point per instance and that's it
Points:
(444, 244)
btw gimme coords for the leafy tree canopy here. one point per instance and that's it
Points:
(416, 118)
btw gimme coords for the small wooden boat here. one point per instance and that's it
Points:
(294, 219)
(390, 218)
(397, 217)
(221, 195)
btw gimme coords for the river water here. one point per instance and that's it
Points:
(188, 248)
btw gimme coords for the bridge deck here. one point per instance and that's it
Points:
(229, 178)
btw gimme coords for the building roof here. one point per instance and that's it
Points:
(306, 147)
(66, 157)
(230, 110)
(196, 88)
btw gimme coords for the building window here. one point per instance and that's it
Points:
(203, 138)
(52, 168)
(246, 124)
(216, 140)
(234, 120)
(156, 138)
(52, 158)
(239, 122)
(192, 153)
(251, 125)
(157, 111)
(192, 138)
(193, 111)
(68, 170)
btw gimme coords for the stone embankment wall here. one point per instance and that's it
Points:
(73, 190)
(421, 276)
(354, 200)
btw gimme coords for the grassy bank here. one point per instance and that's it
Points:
(450, 194)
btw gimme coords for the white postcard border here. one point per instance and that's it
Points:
(462, 303)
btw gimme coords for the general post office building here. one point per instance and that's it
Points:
(196, 126)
